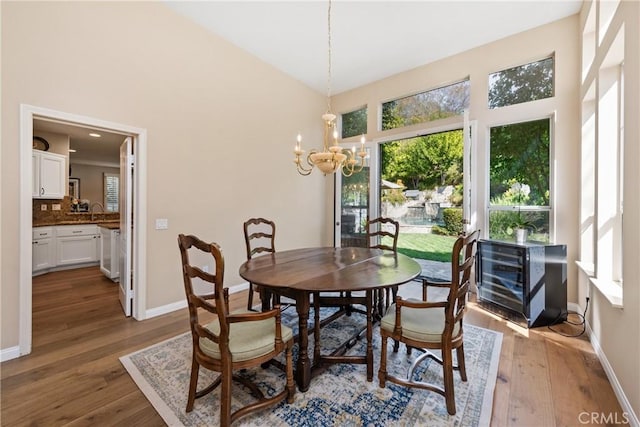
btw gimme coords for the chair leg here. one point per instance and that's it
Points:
(370, 305)
(250, 298)
(461, 365)
(447, 370)
(225, 396)
(291, 385)
(382, 371)
(193, 383)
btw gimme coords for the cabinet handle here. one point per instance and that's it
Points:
(77, 231)
(41, 191)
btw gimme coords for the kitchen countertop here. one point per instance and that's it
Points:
(111, 225)
(100, 222)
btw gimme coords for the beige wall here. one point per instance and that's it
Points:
(221, 129)
(617, 330)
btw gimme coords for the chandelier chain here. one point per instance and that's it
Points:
(333, 157)
(329, 61)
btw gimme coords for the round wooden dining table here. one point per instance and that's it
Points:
(299, 273)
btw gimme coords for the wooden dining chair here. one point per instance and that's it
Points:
(382, 233)
(434, 325)
(259, 239)
(232, 341)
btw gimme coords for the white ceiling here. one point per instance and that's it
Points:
(371, 40)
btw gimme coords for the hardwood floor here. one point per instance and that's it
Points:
(74, 377)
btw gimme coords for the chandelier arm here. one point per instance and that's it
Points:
(301, 169)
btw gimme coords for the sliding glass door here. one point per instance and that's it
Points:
(422, 183)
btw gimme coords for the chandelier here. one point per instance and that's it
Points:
(332, 157)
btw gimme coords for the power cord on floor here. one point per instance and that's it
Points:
(582, 322)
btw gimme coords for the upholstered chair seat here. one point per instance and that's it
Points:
(247, 340)
(426, 325)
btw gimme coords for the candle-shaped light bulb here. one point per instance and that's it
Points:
(362, 140)
(353, 149)
(335, 135)
(297, 149)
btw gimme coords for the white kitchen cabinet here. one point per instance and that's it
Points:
(109, 244)
(49, 175)
(77, 244)
(43, 249)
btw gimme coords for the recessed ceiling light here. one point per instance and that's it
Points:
(95, 135)
(71, 150)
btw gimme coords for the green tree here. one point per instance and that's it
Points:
(391, 116)
(354, 123)
(521, 84)
(424, 162)
(426, 106)
(520, 153)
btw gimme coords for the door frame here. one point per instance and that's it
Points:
(27, 114)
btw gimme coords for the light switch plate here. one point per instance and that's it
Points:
(43, 207)
(162, 223)
(55, 207)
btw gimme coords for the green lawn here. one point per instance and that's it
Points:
(426, 246)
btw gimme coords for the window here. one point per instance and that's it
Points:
(602, 173)
(520, 84)
(354, 123)
(519, 172)
(111, 192)
(426, 106)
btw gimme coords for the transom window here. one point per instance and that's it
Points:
(354, 123)
(427, 106)
(528, 82)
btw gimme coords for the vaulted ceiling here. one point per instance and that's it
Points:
(371, 40)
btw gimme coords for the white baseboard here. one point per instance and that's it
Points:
(615, 384)
(178, 305)
(9, 353)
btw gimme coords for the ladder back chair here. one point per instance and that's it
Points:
(377, 230)
(259, 238)
(231, 341)
(433, 325)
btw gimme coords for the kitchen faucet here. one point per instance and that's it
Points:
(93, 205)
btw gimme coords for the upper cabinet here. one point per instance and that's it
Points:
(49, 175)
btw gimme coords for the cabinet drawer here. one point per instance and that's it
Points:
(76, 230)
(42, 232)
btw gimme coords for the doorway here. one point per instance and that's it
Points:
(424, 183)
(138, 277)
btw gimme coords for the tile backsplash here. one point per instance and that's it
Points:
(64, 215)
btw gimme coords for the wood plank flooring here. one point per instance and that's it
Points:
(73, 376)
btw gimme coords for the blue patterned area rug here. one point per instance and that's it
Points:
(339, 396)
